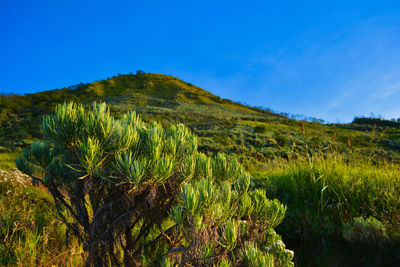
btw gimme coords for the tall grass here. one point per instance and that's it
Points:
(336, 188)
(326, 193)
(30, 234)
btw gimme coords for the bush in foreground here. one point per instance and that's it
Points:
(134, 190)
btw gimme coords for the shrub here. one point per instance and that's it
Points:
(260, 129)
(368, 231)
(134, 190)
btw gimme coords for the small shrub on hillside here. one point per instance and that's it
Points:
(281, 139)
(369, 231)
(260, 129)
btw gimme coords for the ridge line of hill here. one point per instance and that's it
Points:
(221, 124)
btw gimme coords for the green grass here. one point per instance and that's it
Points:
(7, 160)
(30, 233)
(324, 194)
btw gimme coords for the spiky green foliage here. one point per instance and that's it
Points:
(215, 216)
(121, 180)
(255, 257)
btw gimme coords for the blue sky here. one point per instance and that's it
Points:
(328, 59)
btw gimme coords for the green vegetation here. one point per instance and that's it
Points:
(339, 182)
(222, 125)
(30, 233)
(368, 230)
(326, 196)
(122, 179)
(342, 189)
(7, 160)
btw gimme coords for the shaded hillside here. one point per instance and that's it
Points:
(221, 124)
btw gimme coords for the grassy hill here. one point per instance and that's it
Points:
(221, 124)
(329, 175)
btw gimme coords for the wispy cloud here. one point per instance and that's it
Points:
(351, 72)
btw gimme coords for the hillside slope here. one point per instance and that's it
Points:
(221, 124)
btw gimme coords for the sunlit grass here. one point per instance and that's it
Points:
(30, 233)
(326, 193)
(7, 160)
(336, 187)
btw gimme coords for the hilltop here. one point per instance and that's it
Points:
(221, 124)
